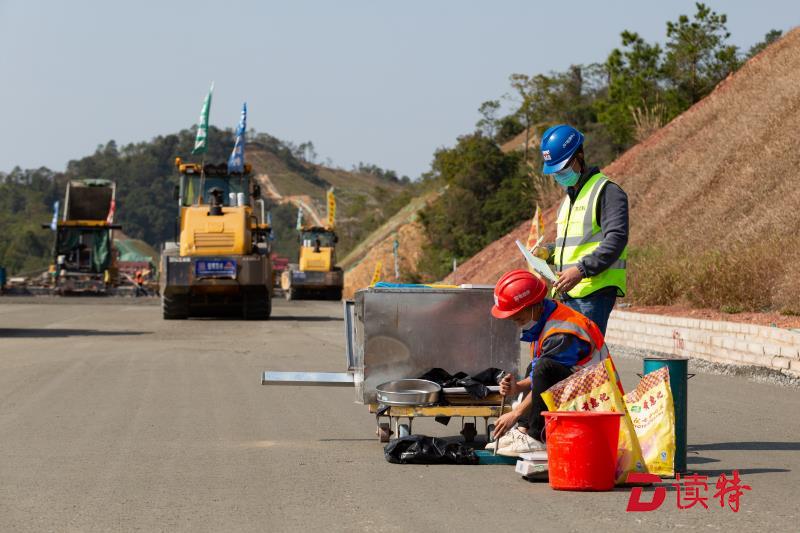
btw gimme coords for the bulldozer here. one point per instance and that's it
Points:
(315, 274)
(82, 248)
(219, 263)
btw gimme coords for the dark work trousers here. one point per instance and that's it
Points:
(596, 307)
(546, 373)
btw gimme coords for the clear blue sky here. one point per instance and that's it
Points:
(375, 81)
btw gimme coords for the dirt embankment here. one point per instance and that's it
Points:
(411, 237)
(404, 227)
(713, 198)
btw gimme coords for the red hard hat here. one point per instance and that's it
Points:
(515, 291)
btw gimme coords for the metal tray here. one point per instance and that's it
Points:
(419, 392)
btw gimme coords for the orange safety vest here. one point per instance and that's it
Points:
(567, 320)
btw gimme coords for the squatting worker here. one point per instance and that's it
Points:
(592, 228)
(562, 340)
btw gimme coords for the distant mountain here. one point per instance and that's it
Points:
(145, 175)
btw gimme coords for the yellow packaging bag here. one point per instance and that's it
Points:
(653, 416)
(597, 388)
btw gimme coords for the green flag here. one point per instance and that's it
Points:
(201, 142)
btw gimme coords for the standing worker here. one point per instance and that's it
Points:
(562, 340)
(591, 246)
(138, 279)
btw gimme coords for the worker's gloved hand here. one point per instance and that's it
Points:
(509, 386)
(504, 423)
(568, 279)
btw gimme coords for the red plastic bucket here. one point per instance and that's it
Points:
(582, 449)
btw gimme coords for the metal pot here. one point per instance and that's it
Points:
(409, 392)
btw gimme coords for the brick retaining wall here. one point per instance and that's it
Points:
(712, 340)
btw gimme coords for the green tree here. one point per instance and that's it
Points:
(698, 55)
(769, 38)
(488, 122)
(488, 193)
(26, 198)
(525, 88)
(634, 73)
(508, 127)
(544, 99)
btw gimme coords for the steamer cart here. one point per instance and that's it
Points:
(486, 408)
(398, 333)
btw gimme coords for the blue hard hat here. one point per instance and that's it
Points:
(559, 143)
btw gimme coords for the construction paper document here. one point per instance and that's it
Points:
(539, 265)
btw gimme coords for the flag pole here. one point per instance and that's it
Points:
(201, 141)
(202, 178)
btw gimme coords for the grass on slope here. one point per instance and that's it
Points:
(714, 202)
(403, 216)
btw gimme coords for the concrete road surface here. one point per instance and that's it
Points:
(114, 420)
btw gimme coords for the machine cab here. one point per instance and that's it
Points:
(317, 249)
(216, 211)
(196, 187)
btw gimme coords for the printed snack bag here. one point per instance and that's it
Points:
(653, 416)
(597, 388)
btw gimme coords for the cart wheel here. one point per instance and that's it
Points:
(469, 432)
(403, 430)
(489, 431)
(383, 432)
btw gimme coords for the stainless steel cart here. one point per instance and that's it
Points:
(397, 333)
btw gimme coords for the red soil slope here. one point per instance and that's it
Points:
(714, 196)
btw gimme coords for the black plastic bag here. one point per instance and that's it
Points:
(475, 385)
(490, 376)
(442, 377)
(423, 450)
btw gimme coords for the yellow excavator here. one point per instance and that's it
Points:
(316, 273)
(219, 263)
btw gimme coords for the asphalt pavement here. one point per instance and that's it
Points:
(112, 419)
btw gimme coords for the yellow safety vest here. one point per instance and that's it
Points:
(579, 234)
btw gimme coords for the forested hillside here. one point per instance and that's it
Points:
(145, 176)
(26, 198)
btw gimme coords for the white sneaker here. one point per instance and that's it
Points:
(505, 440)
(515, 442)
(524, 443)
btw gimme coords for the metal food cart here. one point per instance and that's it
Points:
(397, 333)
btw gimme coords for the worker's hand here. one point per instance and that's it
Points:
(568, 279)
(504, 423)
(541, 252)
(508, 386)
